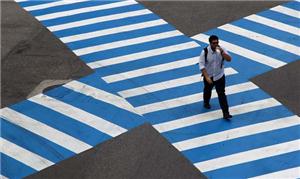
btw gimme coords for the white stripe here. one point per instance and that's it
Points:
(251, 55)
(52, 4)
(3, 177)
(127, 42)
(110, 31)
(98, 20)
(290, 173)
(44, 130)
(100, 95)
(151, 70)
(23, 155)
(141, 55)
(248, 156)
(79, 115)
(168, 84)
(83, 10)
(261, 38)
(237, 132)
(274, 24)
(286, 11)
(21, 0)
(194, 98)
(217, 114)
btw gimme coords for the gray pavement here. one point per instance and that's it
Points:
(30, 54)
(194, 17)
(140, 153)
(283, 84)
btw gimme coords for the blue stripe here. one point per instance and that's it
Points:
(119, 36)
(219, 125)
(34, 2)
(177, 92)
(101, 55)
(99, 108)
(66, 7)
(245, 143)
(258, 167)
(268, 31)
(293, 5)
(105, 25)
(12, 168)
(89, 15)
(289, 20)
(197, 108)
(253, 45)
(61, 122)
(150, 61)
(34, 143)
(154, 78)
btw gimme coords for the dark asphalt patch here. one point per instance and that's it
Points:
(139, 153)
(31, 54)
(283, 84)
(194, 17)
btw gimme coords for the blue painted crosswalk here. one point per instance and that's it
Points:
(141, 58)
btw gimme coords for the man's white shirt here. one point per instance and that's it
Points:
(213, 65)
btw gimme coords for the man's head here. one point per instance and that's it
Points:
(213, 41)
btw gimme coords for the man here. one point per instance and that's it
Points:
(212, 68)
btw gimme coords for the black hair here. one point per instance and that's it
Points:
(213, 37)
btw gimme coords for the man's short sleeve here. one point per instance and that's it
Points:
(202, 60)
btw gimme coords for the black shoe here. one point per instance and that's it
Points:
(227, 116)
(207, 105)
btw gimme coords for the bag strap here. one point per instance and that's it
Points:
(205, 54)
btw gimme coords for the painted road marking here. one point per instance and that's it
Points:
(168, 84)
(290, 173)
(217, 114)
(237, 132)
(79, 115)
(44, 130)
(28, 158)
(247, 156)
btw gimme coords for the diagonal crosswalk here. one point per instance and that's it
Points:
(146, 70)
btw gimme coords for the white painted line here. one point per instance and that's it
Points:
(52, 4)
(286, 11)
(151, 70)
(168, 84)
(185, 100)
(44, 130)
(111, 31)
(21, 0)
(84, 10)
(100, 95)
(23, 155)
(248, 156)
(249, 54)
(261, 38)
(274, 24)
(290, 173)
(127, 42)
(141, 55)
(217, 114)
(237, 132)
(3, 177)
(98, 20)
(79, 115)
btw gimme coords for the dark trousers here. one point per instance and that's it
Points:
(220, 88)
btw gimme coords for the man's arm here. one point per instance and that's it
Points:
(224, 54)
